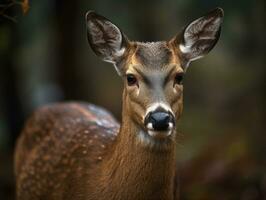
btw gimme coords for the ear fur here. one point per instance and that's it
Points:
(106, 39)
(199, 36)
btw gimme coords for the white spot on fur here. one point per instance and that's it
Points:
(149, 126)
(116, 68)
(99, 158)
(143, 139)
(171, 126)
(148, 139)
(196, 58)
(120, 52)
(184, 49)
(154, 133)
(175, 91)
(157, 133)
(130, 71)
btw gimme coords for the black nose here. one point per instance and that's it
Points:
(159, 120)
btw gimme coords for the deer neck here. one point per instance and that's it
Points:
(133, 170)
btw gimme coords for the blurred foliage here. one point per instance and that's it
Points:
(5, 6)
(44, 57)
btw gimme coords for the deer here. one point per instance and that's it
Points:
(77, 150)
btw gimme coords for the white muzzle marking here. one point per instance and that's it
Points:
(153, 107)
(157, 105)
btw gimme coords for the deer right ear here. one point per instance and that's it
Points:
(105, 39)
(200, 36)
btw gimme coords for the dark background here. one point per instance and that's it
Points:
(44, 57)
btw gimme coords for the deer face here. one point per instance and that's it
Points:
(153, 87)
(153, 72)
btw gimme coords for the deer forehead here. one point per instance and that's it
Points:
(154, 62)
(153, 56)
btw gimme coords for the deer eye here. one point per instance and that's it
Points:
(131, 80)
(179, 78)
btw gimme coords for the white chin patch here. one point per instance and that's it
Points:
(155, 138)
(159, 134)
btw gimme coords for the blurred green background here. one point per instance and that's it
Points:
(44, 57)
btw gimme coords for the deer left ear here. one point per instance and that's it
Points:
(200, 36)
(106, 39)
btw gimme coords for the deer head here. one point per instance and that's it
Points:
(153, 72)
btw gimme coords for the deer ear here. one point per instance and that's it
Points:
(200, 36)
(105, 39)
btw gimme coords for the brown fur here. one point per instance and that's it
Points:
(67, 152)
(71, 151)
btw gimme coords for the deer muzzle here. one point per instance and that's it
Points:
(159, 121)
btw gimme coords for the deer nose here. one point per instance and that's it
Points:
(159, 121)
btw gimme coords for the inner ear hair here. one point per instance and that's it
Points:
(200, 36)
(105, 38)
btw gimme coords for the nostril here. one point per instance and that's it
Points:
(167, 118)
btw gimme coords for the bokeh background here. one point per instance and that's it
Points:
(44, 58)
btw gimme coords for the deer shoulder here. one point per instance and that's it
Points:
(59, 142)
